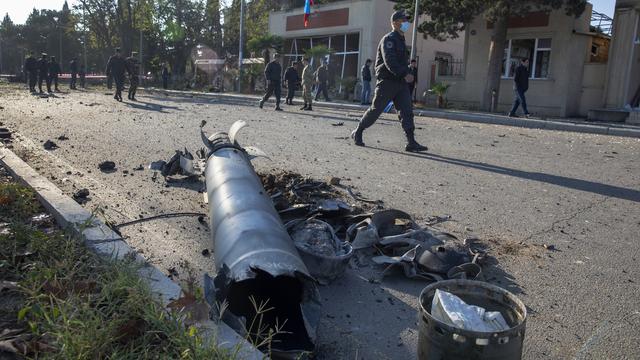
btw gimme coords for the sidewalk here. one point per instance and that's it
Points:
(574, 125)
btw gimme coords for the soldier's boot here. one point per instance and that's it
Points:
(356, 135)
(304, 107)
(308, 108)
(261, 103)
(412, 144)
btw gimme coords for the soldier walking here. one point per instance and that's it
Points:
(116, 68)
(392, 72)
(322, 78)
(73, 68)
(54, 71)
(133, 68)
(31, 68)
(273, 75)
(43, 72)
(307, 84)
(292, 79)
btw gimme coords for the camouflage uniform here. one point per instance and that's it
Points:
(307, 83)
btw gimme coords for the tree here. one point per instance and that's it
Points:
(449, 17)
(213, 27)
(262, 44)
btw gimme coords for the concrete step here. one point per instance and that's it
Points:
(608, 115)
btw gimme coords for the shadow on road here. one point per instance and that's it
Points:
(571, 183)
(143, 105)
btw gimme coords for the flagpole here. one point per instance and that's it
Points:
(415, 32)
(240, 45)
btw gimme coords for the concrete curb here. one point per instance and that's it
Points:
(600, 129)
(100, 239)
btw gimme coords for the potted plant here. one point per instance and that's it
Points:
(440, 89)
(348, 85)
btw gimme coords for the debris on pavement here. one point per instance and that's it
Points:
(257, 264)
(50, 145)
(338, 124)
(63, 137)
(5, 133)
(107, 166)
(81, 196)
(181, 163)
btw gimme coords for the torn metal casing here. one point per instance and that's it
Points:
(256, 260)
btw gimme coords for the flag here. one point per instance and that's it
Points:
(307, 11)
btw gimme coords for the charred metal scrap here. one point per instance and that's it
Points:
(256, 261)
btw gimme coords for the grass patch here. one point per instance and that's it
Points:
(60, 301)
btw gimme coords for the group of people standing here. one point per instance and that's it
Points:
(274, 78)
(47, 70)
(116, 68)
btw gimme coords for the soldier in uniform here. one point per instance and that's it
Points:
(54, 71)
(322, 77)
(292, 79)
(43, 72)
(73, 68)
(273, 75)
(116, 68)
(133, 69)
(307, 84)
(31, 68)
(392, 72)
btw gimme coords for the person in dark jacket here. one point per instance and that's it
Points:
(273, 75)
(520, 86)
(83, 76)
(43, 73)
(116, 67)
(165, 76)
(413, 70)
(54, 72)
(73, 69)
(365, 73)
(292, 79)
(133, 69)
(31, 69)
(322, 79)
(392, 72)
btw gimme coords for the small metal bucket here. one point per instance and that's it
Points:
(440, 341)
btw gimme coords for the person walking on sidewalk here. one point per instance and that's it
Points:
(520, 86)
(365, 73)
(54, 72)
(43, 72)
(322, 78)
(392, 73)
(31, 69)
(413, 70)
(273, 75)
(292, 79)
(307, 84)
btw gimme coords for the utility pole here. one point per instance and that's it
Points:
(241, 45)
(415, 31)
(84, 39)
(140, 55)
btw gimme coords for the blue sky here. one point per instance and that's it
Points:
(19, 10)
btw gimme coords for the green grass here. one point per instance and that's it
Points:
(78, 306)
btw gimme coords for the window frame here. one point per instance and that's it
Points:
(533, 62)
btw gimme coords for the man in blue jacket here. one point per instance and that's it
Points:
(392, 72)
(520, 86)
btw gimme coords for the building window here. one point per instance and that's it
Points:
(538, 51)
(343, 61)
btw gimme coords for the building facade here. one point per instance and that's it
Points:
(568, 64)
(352, 29)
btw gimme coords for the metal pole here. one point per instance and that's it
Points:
(84, 40)
(241, 45)
(415, 31)
(140, 55)
(60, 45)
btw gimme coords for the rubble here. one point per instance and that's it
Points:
(50, 145)
(107, 166)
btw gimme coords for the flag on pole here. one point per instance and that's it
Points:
(307, 11)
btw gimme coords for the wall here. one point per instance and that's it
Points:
(557, 95)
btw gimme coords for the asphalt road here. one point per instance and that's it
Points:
(516, 189)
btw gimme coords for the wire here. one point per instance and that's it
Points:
(162, 216)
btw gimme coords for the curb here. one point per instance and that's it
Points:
(595, 128)
(103, 241)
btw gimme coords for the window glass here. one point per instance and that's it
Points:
(321, 41)
(288, 46)
(520, 49)
(544, 43)
(351, 65)
(353, 42)
(542, 64)
(337, 43)
(303, 44)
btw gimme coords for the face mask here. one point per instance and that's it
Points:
(405, 26)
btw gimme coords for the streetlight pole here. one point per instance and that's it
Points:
(415, 31)
(84, 39)
(241, 45)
